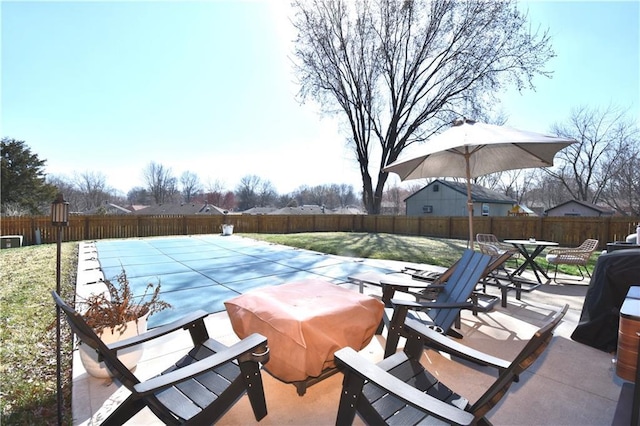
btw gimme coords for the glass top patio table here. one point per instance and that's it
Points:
(530, 249)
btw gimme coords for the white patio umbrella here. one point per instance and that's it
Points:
(470, 149)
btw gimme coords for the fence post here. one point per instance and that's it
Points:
(607, 231)
(540, 229)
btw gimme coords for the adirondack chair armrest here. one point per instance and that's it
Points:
(413, 284)
(242, 349)
(421, 306)
(193, 320)
(400, 284)
(349, 359)
(440, 342)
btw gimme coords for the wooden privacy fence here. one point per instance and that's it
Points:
(568, 231)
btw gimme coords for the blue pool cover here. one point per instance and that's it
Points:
(203, 271)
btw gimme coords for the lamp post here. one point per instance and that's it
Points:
(59, 218)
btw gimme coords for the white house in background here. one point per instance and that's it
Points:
(449, 198)
(578, 208)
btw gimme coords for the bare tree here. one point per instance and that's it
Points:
(306, 195)
(512, 183)
(248, 192)
(267, 194)
(400, 71)
(605, 137)
(190, 183)
(138, 195)
(345, 194)
(394, 197)
(69, 190)
(217, 194)
(160, 182)
(92, 187)
(331, 196)
(622, 192)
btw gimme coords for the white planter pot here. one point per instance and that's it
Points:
(227, 229)
(129, 357)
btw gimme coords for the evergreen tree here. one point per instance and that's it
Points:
(24, 188)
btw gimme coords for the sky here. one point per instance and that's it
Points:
(208, 87)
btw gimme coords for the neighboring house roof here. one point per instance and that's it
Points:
(259, 210)
(136, 207)
(594, 207)
(108, 208)
(348, 210)
(479, 194)
(181, 209)
(306, 209)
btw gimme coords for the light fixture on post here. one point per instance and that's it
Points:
(59, 218)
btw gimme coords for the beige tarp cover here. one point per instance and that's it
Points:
(305, 323)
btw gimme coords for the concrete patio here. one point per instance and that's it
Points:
(571, 384)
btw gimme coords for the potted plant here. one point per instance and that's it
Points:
(117, 314)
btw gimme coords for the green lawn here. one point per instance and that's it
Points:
(28, 349)
(433, 251)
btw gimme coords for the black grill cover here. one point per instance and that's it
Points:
(614, 273)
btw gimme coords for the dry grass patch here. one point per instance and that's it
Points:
(28, 335)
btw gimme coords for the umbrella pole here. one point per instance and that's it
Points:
(469, 201)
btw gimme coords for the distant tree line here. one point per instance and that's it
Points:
(26, 189)
(602, 168)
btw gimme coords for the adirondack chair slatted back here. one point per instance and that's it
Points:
(465, 277)
(395, 390)
(452, 299)
(88, 337)
(527, 356)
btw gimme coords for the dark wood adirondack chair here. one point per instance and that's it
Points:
(399, 390)
(444, 312)
(421, 283)
(199, 388)
(422, 289)
(500, 277)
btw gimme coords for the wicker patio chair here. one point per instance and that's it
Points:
(578, 256)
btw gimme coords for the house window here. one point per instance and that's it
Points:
(436, 187)
(485, 209)
(427, 209)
